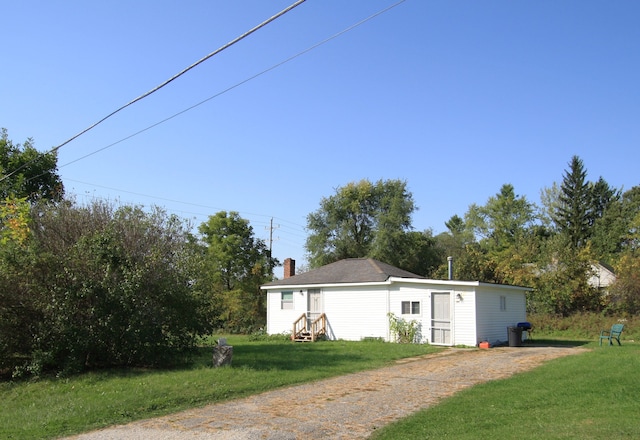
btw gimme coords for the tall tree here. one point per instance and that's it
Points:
(601, 196)
(27, 173)
(453, 243)
(582, 213)
(625, 293)
(362, 219)
(613, 232)
(421, 254)
(572, 216)
(504, 227)
(503, 220)
(237, 263)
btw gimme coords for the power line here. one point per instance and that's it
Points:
(228, 89)
(238, 84)
(166, 199)
(297, 229)
(155, 89)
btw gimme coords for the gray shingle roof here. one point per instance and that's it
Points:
(351, 270)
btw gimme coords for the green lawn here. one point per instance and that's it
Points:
(595, 395)
(51, 408)
(588, 396)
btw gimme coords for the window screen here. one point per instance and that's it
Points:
(286, 299)
(410, 307)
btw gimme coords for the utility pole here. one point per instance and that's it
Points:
(271, 228)
(270, 236)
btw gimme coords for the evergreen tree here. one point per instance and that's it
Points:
(572, 216)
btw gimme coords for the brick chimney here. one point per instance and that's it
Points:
(289, 267)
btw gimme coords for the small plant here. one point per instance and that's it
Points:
(403, 331)
(372, 339)
(262, 335)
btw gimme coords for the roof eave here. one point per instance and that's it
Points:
(317, 285)
(392, 280)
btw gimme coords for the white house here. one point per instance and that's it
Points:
(602, 276)
(353, 298)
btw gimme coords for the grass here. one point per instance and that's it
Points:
(53, 407)
(583, 325)
(587, 396)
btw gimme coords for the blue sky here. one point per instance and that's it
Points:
(456, 98)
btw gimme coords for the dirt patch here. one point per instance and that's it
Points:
(346, 407)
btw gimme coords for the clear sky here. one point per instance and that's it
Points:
(455, 98)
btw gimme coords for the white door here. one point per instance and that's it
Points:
(441, 318)
(314, 305)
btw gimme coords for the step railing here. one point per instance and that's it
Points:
(299, 326)
(302, 332)
(319, 327)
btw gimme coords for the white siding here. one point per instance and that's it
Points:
(601, 277)
(400, 293)
(281, 321)
(355, 313)
(492, 321)
(464, 317)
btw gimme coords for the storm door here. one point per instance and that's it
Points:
(441, 318)
(314, 305)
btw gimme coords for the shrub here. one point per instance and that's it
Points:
(106, 287)
(403, 331)
(261, 335)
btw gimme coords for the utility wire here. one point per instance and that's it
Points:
(298, 227)
(228, 89)
(246, 80)
(155, 89)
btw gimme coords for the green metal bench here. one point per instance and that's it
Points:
(614, 333)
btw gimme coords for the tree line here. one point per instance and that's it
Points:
(554, 247)
(98, 285)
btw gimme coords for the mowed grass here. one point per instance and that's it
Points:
(595, 395)
(50, 408)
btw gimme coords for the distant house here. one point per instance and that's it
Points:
(602, 276)
(353, 297)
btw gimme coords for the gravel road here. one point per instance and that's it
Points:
(346, 407)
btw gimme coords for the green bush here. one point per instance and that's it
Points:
(103, 287)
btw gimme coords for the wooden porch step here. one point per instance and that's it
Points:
(304, 337)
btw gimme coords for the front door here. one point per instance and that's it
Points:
(314, 306)
(441, 318)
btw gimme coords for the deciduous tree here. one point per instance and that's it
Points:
(362, 219)
(27, 173)
(237, 263)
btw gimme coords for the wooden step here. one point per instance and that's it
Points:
(304, 337)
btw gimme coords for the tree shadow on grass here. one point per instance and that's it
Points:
(287, 356)
(555, 343)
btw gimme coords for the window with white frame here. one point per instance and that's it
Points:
(286, 300)
(503, 303)
(410, 307)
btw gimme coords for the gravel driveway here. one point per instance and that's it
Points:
(345, 407)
